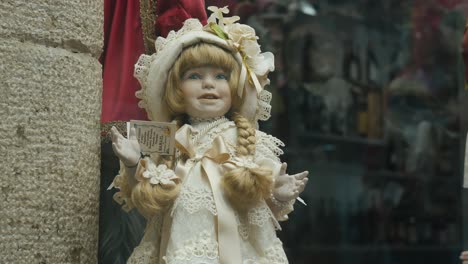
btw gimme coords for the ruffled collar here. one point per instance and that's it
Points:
(200, 123)
(202, 131)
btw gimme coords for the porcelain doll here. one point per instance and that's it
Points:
(220, 197)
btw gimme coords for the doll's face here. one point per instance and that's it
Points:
(206, 92)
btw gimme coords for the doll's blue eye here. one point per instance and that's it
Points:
(221, 76)
(194, 76)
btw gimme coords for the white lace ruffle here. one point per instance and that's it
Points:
(242, 227)
(148, 249)
(141, 73)
(284, 210)
(189, 25)
(258, 216)
(195, 199)
(268, 146)
(263, 106)
(143, 254)
(273, 255)
(202, 249)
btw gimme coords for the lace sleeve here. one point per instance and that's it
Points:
(281, 209)
(268, 146)
(122, 197)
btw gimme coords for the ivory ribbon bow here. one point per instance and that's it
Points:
(210, 163)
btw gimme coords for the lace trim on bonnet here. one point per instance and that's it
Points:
(143, 64)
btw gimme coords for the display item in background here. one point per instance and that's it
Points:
(230, 188)
(327, 93)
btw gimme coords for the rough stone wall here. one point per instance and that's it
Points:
(50, 103)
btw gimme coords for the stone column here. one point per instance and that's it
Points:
(50, 103)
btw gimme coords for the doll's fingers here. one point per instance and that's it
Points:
(116, 136)
(301, 175)
(132, 135)
(299, 184)
(301, 188)
(113, 132)
(284, 165)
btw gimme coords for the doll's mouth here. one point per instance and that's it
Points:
(208, 96)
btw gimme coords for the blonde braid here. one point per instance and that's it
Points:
(246, 187)
(246, 135)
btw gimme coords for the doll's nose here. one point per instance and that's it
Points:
(208, 83)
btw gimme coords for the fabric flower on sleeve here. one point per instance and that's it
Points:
(160, 175)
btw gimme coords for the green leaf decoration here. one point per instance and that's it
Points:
(217, 29)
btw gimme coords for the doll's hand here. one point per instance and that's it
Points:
(288, 187)
(464, 257)
(128, 150)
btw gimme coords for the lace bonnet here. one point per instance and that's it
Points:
(152, 71)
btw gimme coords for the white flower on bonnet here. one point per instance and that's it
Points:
(254, 63)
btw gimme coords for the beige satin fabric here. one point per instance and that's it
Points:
(165, 233)
(211, 164)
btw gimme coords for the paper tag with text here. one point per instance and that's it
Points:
(154, 137)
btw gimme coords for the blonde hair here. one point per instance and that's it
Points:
(244, 187)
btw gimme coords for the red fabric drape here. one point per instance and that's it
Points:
(172, 14)
(123, 44)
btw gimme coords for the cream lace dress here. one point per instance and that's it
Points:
(193, 229)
